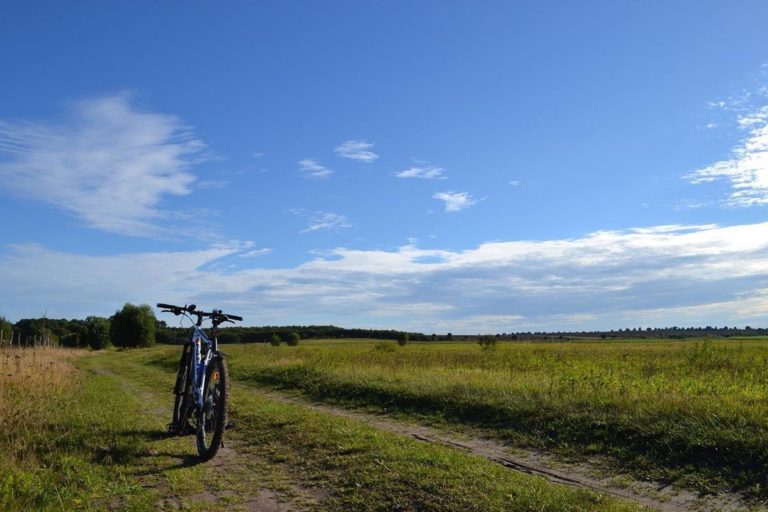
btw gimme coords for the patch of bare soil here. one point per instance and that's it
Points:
(584, 475)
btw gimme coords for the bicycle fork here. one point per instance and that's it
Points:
(201, 363)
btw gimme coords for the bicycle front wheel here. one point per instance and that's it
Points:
(182, 402)
(212, 418)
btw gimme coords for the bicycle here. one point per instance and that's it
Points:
(202, 382)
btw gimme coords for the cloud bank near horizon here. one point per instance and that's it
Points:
(657, 276)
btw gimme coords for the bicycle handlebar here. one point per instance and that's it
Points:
(216, 315)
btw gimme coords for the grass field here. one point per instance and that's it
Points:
(86, 432)
(691, 412)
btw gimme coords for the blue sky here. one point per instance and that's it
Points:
(435, 166)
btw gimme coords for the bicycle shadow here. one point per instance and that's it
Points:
(155, 451)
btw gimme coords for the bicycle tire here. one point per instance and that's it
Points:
(182, 403)
(212, 418)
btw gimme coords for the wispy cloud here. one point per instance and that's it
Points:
(654, 276)
(208, 184)
(747, 169)
(359, 150)
(322, 221)
(455, 201)
(312, 169)
(110, 164)
(423, 172)
(255, 253)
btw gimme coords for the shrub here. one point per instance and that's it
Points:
(293, 339)
(402, 339)
(275, 341)
(384, 346)
(487, 342)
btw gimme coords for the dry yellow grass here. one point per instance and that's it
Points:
(31, 381)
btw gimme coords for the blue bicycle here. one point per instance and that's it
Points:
(202, 382)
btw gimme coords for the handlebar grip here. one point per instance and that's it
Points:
(166, 306)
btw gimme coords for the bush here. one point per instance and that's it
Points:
(384, 346)
(275, 341)
(402, 339)
(133, 326)
(293, 339)
(487, 342)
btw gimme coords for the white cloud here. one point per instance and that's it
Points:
(209, 184)
(255, 253)
(312, 169)
(657, 276)
(514, 183)
(455, 201)
(359, 150)
(110, 164)
(426, 172)
(322, 221)
(747, 170)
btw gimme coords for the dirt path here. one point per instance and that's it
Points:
(229, 466)
(583, 475)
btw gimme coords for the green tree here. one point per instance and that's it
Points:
(293, 339)
(70, 340)
(98, 329)
(7, 329)
(133, 326)
(402, 339)
(275, 341)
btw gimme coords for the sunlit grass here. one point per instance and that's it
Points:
(65, 435)
(359, 467)
(695, 412)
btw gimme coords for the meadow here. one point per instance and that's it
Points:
(86, 431)
(690, 412)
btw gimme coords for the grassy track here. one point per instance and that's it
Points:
(92, 439)
(357, 467)
(695, 413)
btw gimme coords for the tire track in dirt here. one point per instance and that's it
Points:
(653, 495)
(228, 460)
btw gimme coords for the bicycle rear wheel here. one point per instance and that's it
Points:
(212, 418)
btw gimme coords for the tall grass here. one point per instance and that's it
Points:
(63, 444)
(695, 412)
(32, 382)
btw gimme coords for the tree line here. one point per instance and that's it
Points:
(287, 334)
(137, 326)
(132, 326)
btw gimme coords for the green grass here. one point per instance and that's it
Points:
(74, 439)
(64, 443)
(357, 467)
(695, 413)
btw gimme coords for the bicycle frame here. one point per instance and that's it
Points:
(203, 351)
